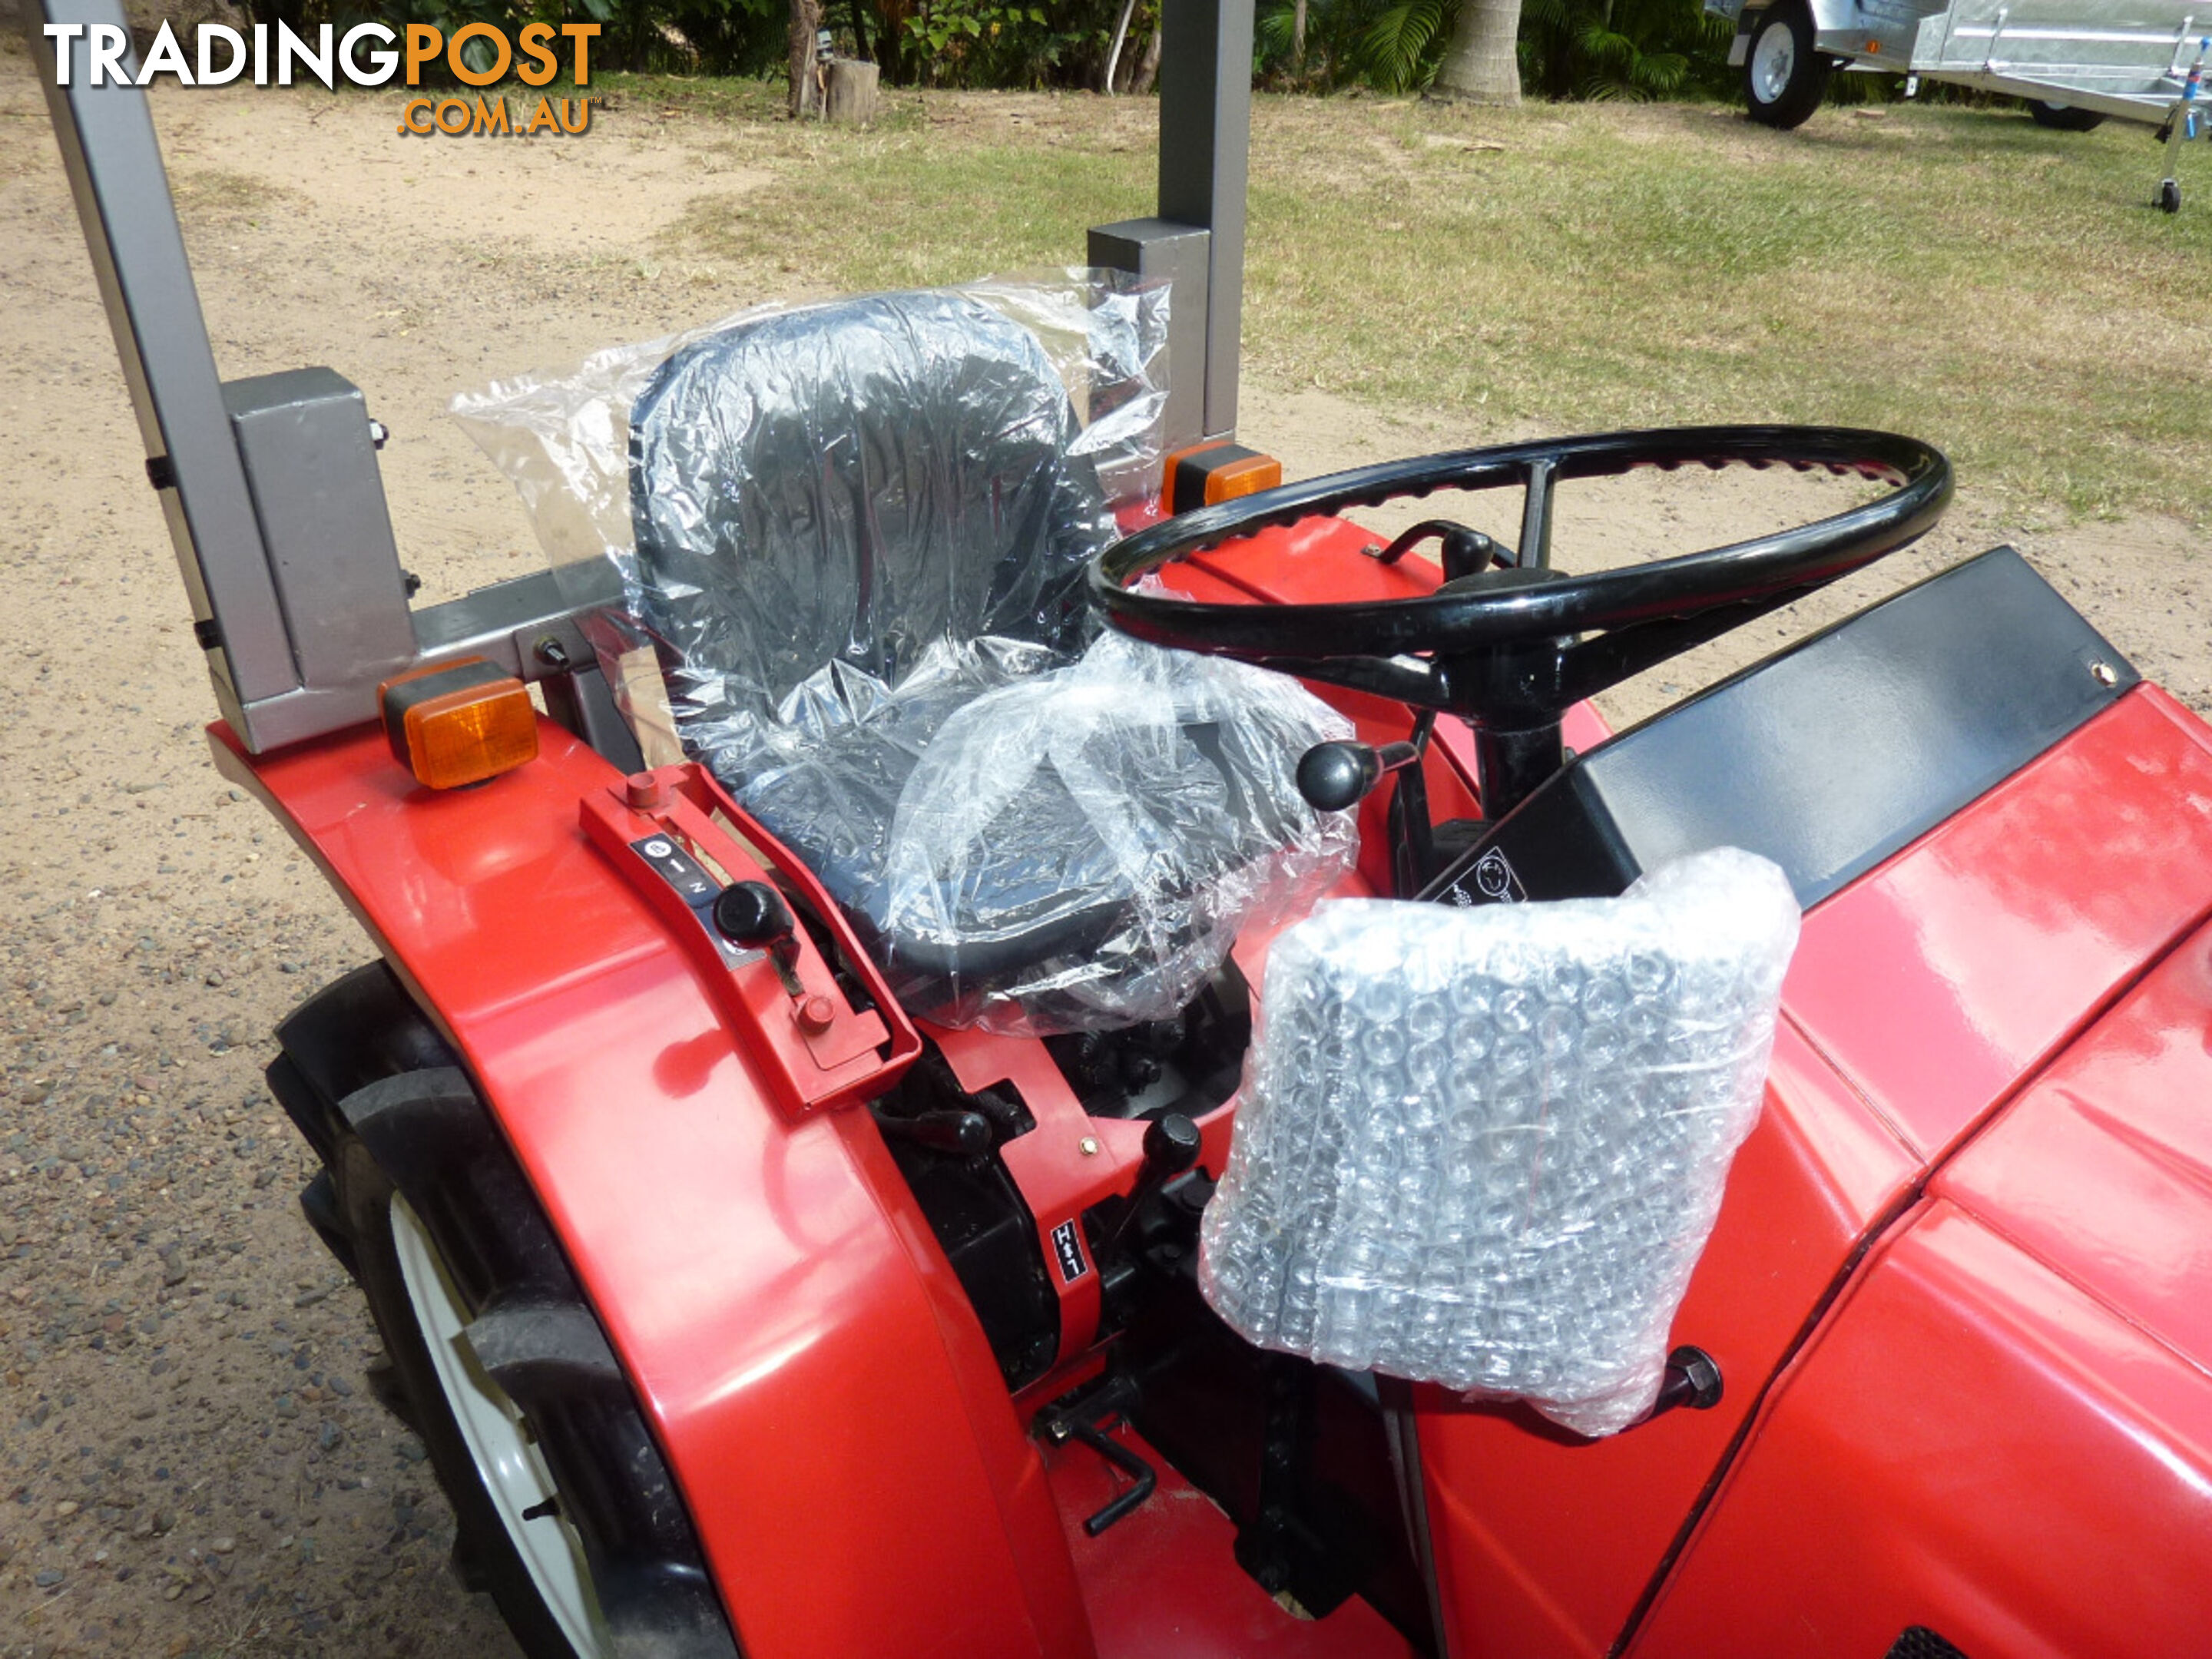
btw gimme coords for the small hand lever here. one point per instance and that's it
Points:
(1172, 1144)
(1334, 776)
(965, 1132)
(753, 914)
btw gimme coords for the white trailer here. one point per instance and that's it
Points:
(2075, 62)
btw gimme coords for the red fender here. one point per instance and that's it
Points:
(797, 1340)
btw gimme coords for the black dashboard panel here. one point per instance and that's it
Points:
(1826, 758)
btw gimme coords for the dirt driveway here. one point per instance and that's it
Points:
(190, 1457)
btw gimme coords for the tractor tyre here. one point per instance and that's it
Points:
(2063, 118)
(1784, 77)
(566, 1510)
(545, 1596)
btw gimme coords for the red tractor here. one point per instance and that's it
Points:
(770, 1271)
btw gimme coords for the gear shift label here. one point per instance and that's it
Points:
(696, 889)
(1067, 1252)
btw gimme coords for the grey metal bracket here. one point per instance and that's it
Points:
(1205, 119)
(1158, 247)
(270, 487)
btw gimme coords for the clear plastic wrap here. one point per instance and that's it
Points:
(565, 439)
(854, 537)
(1484, 1147)
(1078, 849)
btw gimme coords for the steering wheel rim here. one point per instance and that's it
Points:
(1379, 645)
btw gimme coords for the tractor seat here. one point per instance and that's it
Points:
(861, 531)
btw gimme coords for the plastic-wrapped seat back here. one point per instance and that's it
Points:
(848, 484)
(1485, 1147)
(856, 533)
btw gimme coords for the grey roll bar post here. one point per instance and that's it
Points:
(270, 485)
(1197, 241)
(115, 167)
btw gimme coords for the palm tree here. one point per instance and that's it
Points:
(1480, 64)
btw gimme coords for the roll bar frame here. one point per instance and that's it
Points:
(270, 484)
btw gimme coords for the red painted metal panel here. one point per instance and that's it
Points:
(1544, 1541)
(2103, 1168)
(1920, 997)
(823, 1392)
(1940, 979)
(848, 1054)
(1970, 1444)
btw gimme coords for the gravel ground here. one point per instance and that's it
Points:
(191, 1460)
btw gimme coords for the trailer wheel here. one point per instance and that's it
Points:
(2168, 199)
(2063, 118)
(1784, 78)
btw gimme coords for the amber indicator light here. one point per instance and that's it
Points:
(459, 723)
(1209, 474)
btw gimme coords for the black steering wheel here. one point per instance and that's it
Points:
(1506, 642)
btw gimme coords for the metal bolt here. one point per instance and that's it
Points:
(644, 793)
(1088, 1145)
(817, 1015)
(551, 652)
(377, 433)
(1373, 550)
(2104, 673)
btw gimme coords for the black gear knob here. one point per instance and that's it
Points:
(1171, 1146)
(1334, 776)
(753, 914)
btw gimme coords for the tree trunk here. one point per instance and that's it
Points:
(891, 42)
(852, 97)
(1149, 70)
(1480, 64)
(1298, 38)
(805, 24)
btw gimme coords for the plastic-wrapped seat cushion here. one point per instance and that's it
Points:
(1080, 849)
(861, 531)
(1484, 1147)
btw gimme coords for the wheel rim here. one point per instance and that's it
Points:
(508, 1465)
(1773, 60)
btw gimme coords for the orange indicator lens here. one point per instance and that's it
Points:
(459, 723)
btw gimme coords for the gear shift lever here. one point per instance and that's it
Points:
(1172, 1143)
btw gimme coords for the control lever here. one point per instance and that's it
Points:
(1465, 552)
(966, 1132)
(1171, 1146)
(1336, 777)
(1110, 1403)
(753, 914)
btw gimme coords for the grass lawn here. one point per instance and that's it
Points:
(1958, 274)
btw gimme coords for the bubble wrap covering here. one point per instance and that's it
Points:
(1484, 1147)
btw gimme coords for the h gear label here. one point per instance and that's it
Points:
(1067, 1251)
